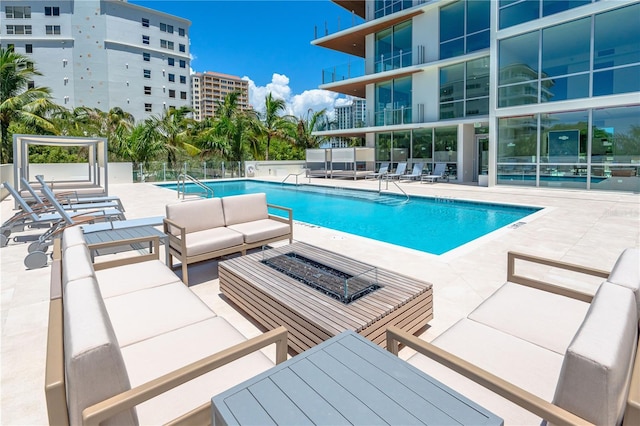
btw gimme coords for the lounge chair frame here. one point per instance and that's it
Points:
(530, 402)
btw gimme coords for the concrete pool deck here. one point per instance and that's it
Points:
(585, 227)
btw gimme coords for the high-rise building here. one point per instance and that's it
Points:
(527, 92)
(102, 53)
(210, 88)
(351, 115)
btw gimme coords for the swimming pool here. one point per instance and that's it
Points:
(432, 225)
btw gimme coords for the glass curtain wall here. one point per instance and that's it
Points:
(464, 27)
(393, 102)
(393, 47)
(387, 7)
(514, 12)
(464, 89)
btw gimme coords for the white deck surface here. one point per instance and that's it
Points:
(589, 228)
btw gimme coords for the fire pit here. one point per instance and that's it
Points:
(346, 287)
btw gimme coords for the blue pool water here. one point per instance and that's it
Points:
(431, 225)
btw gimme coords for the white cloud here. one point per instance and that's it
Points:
(297, 105)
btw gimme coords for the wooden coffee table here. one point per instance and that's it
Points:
(272, 299)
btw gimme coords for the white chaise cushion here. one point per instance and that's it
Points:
(76, 264)
(596, 372)
(134, 277)
(210, 240)
(542, 318)
(261, 230)
(196, 215)
(245, 208)
(626, 272)
(147, 313)
(167, 352)
(94, 366)
(72, 236)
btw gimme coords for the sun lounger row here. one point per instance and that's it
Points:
(130, 344)
(208, 228)
(535, 351)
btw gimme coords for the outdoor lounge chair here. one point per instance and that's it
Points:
(400, 171)
(439, 172)
(382, 171)
(415, 174)
(77, 203)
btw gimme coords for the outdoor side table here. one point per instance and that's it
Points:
(121, 234)
(346, 380)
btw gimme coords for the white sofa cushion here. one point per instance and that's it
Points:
(210, 240)
(167, 352)
(136, 276)
(626, 272)
(76, 264)
(196, 215)
(596, 372)
(261, 230)
(524, 364)
(94, 365)
(72, 236)
(245, 208)
(147, 313)
(542, 318)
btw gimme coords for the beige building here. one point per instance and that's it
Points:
(209, 88)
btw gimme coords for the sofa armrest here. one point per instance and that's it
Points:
(552, 288)
(632, 411)
(103, 410)
(528, 401)
(154, 255)
(168, 226)
(289, 212)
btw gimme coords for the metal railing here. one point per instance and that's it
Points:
(293, 174)
(181, 186)
(387, 180)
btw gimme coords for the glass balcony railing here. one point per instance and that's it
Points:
(389, 117)
(402, 59)
(343, 72)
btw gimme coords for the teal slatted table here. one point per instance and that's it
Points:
(346, 380)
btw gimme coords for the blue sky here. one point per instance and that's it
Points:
(267, 41)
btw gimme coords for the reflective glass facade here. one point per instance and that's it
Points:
(393, 102)
(393, 47)
(514, 12)
(464, 27)
(464, 89)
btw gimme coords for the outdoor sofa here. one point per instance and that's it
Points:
(208, 228)
(534, 350)
(129, 344)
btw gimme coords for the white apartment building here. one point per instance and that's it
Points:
(504, 92)
(210, 88)
(102, 53)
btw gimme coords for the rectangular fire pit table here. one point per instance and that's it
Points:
(275, 297)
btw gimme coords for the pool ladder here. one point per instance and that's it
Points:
(293, 174)
(387, 188)
(182, 186)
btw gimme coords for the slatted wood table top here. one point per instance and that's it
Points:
(273, 299)
(346, 380)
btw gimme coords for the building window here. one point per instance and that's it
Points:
(145, 39)
(183, 95)
(464, 89)
(393, 102)
(459, 35)
(387, 7)
(18, 12)
(183, 63)
(146, 56)
(146, 73)
(147, 90)
(165, 44)
(18, 29)
(165, 28)
(172, 77)
(52, 29)
(182, 47)
(181, 32)
(172, 93)
(145, 22)
(28, 48)
(31, 84)
(51, 11)
(171, 61)
(183, 79)
(147, 107)
(519, 11)
(393, 47)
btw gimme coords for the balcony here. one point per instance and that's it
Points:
(342, 72)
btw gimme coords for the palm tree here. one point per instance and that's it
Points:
(20, 103)
(274, 126)
(173, 129)
(141, 147)
(306, 126)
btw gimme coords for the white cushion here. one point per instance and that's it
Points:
(72, 236)
(210, 240)
(147, 313)
(94, 366)
(76, 263)
(260, 230)
(595, 376)
(245, 208)
(542, 318)
(136, 276)
(196, 215)
(167, 352)
(626, 272)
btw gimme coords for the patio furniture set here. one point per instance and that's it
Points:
(417, 174)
